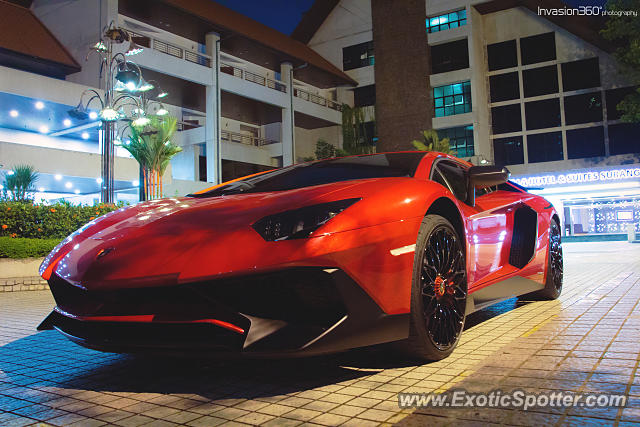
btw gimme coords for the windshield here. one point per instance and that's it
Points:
(324, 172)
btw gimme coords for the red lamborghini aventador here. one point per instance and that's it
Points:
(313, 258)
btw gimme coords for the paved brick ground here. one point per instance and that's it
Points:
(588, 340)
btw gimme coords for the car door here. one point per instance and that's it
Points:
(488, 224)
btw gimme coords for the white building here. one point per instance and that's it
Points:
(507, 85)
(247, 97)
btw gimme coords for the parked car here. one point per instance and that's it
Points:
(313, 258)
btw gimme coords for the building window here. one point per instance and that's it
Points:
(452, 99)
(506, 119)
(583, 108)
(364, 96)
(538, 48)
(449, 56)
(448, 20)
(502, 55)
(544, 147)
(460, 139)
(585, 142)
(581, 74)
(542, 114)
(357, 56)
(508, 151)
(540, 81)
(504, 87)
(623, 138)
(614, 97)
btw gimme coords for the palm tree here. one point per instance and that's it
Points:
(151, 146)
(20, 181)
(431, 142)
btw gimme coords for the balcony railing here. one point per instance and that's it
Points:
(240, 138)
(252, 77)
(317, 99)
(187, 125)
(171, 49)
(207, 61)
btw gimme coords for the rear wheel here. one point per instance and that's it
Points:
(553, 285)
(439, 291)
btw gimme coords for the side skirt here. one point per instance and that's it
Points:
(501, 291)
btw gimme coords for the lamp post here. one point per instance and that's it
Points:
(121, 79)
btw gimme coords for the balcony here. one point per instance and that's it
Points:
(317, 99)
(253, 77)
(277, 85)
(241, 138)
(171, 49)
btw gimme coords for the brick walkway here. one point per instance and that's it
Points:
(588, 340)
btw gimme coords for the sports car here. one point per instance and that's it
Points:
(309, 259)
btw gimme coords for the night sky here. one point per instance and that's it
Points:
(283, 15)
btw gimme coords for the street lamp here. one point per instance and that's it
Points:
(122, 80)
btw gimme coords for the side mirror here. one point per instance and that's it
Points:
(484, 176)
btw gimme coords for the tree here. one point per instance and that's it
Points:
(431, 142)
(354, 132)
(151, 146)
(20, 181)
(624, 32)
(324, 150)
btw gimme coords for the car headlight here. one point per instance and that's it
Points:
(299, 223)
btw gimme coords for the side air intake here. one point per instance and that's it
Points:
(525, 230)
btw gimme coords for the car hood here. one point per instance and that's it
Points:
(155, 242)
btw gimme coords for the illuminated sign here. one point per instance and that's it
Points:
(579, 177)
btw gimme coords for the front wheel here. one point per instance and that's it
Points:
(439, 291)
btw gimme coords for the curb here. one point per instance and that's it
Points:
(23, 284)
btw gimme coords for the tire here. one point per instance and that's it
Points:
(438, 291)
(553, 284)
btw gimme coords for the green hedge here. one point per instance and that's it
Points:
(56, 221)
(26, 248)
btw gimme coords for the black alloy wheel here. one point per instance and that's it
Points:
(438, 291)
(444, 289)
(555, 255)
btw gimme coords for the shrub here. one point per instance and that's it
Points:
(56, 221)
(26, 248)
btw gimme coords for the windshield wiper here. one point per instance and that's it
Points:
(233, 188)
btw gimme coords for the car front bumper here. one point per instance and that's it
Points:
(290, 312)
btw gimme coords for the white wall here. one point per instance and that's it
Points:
(40, 87)
(66, 162)
(78, 24)
(58, 143)
(306, 140)
(348, 24)
(479, 85)
(179, 188)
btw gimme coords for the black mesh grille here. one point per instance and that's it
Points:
(523, 241)
(301, 295)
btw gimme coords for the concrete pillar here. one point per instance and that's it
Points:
(344, 95)
(212, 121)
(287, 135)
(185, 164)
